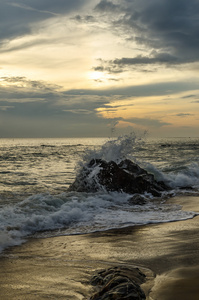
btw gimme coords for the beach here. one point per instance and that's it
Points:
(62, 267)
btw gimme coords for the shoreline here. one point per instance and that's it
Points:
(62, 267)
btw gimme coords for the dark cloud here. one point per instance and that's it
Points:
(58, 6)
(109, 66)
(84, 19)
(184, 115)
(31, 97)
(147, 122)
(162, 58)
(34, 109)
(167, 28)
(24, 82)
(17, 17)
(188, 96)
(153, 89)
(119, 65)
(167, 24)
(106, 6)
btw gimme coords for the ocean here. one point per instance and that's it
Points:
(36, 173)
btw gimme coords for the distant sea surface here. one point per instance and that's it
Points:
(35, 175)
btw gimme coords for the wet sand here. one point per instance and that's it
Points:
(61, 267)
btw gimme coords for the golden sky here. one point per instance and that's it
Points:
(84, 68)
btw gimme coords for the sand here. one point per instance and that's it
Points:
(61, 267)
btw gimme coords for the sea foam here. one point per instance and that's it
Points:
(48, 214)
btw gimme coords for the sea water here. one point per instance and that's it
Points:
(36, 173)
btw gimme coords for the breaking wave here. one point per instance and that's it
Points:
(46, 214)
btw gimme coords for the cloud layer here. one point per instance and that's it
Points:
(18, 17)
(166, 29)
(80, 68)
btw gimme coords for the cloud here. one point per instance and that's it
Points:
(188, 96)
(166, 24)
(79, 111)
(27, 97)
(85, 19)
(109, 66)
(34, 102)
(31, 8)
(67, 37)
(6, 47)
(21, 81)
(120, 65)
(104, 6)
(39, 98)
(4, 108)
(191, 96)
(167, 30)
(151, 89)
(184, 114)
(18, 17)
(50, 6)
(159, 58)
(37, 109)
(147, 122)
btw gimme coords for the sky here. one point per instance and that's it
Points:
(91, 68)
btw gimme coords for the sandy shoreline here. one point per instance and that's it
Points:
(61, 267)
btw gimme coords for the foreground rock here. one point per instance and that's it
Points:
(118, 283)
(125, 177)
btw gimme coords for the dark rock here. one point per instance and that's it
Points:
(137, 200)
(103, 276)
(125, 177)
(119, 283)
(186, 187)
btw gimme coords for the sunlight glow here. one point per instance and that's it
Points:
(96, 75)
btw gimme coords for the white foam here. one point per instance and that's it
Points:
(116, 150)
(80, 213)
(187, 176)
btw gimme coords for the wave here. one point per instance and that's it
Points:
(124, 147)
(183, 177)
(80, 213)
(48, 214)
(179, 171)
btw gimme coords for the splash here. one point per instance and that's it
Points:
(80, 212)
(124, 147)
(188, 176)
(135, 148)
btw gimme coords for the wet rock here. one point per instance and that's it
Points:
(125, 177)
(137, 200)
(119, 283)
